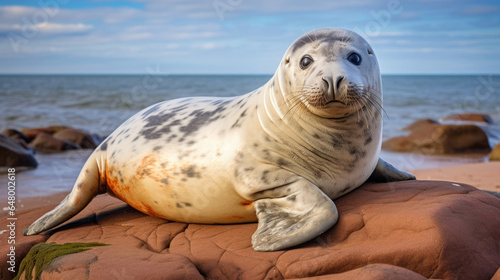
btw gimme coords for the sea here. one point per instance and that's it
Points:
(100, 103)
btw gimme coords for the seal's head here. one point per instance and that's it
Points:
(332, 73)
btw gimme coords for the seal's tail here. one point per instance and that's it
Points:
(87, 186)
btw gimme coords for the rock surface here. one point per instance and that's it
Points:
(47, 143)
(420, 123)
(31, 133)
(402, 230)
(17, 136)
(14, 154)
(77, 137)
(471, 117)
(435, 139)
(54, 139)
(495, 153)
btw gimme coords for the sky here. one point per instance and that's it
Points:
(240, 36)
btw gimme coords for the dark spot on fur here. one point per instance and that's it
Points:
(178, 205)
(264, 176)
(187, 204)
(191, 172)
(240, 156)
(281, 162)
(164, 181)
(368, 140)
(200, 118)
(238, 121)
(346, 189)
(157, 148)
(171, 137)
(104, 146)
(156, 202)
(291, 198)
(163, 164)
(191, 142)
(151, 131)
(151, 110)
(79, 185)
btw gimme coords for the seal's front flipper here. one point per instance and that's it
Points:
(385, 172)
(303, 213)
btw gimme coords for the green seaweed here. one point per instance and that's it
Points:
(42, 254)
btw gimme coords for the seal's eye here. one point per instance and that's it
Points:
(305, 62)
(354, 58)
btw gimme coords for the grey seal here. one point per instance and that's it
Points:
(278, 155)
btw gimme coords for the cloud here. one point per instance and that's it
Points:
(174, 30)
(481, 10)
(45, 29)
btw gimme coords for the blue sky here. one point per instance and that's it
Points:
(241, 36)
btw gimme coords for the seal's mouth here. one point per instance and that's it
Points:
(335, 101)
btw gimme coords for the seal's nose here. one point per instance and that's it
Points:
(332, 87)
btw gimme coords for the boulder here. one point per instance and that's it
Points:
(495, 153)
(441, 139)
(77, 137)
(47, 143)
(14, 154)
(400, 230)
(31, 133)
(17, 136)
(471, 117)
(419, 124)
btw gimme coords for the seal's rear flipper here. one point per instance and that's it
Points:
(301, 215)
(385, 172)
(87, 186)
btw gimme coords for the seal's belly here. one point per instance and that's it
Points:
(182, 191)
(176, 172)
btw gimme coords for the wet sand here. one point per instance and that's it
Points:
(485, 176)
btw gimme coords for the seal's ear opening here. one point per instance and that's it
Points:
(287, 60)
(370, 51)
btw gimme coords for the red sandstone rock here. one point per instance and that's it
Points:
(495, 153)
(441, 139)
(419, 124)
(77, 137)
(47, 143)
(31, 133)
(402, 230)
(473, 117)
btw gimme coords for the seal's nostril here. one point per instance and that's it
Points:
(329, 86)
(337, 84)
